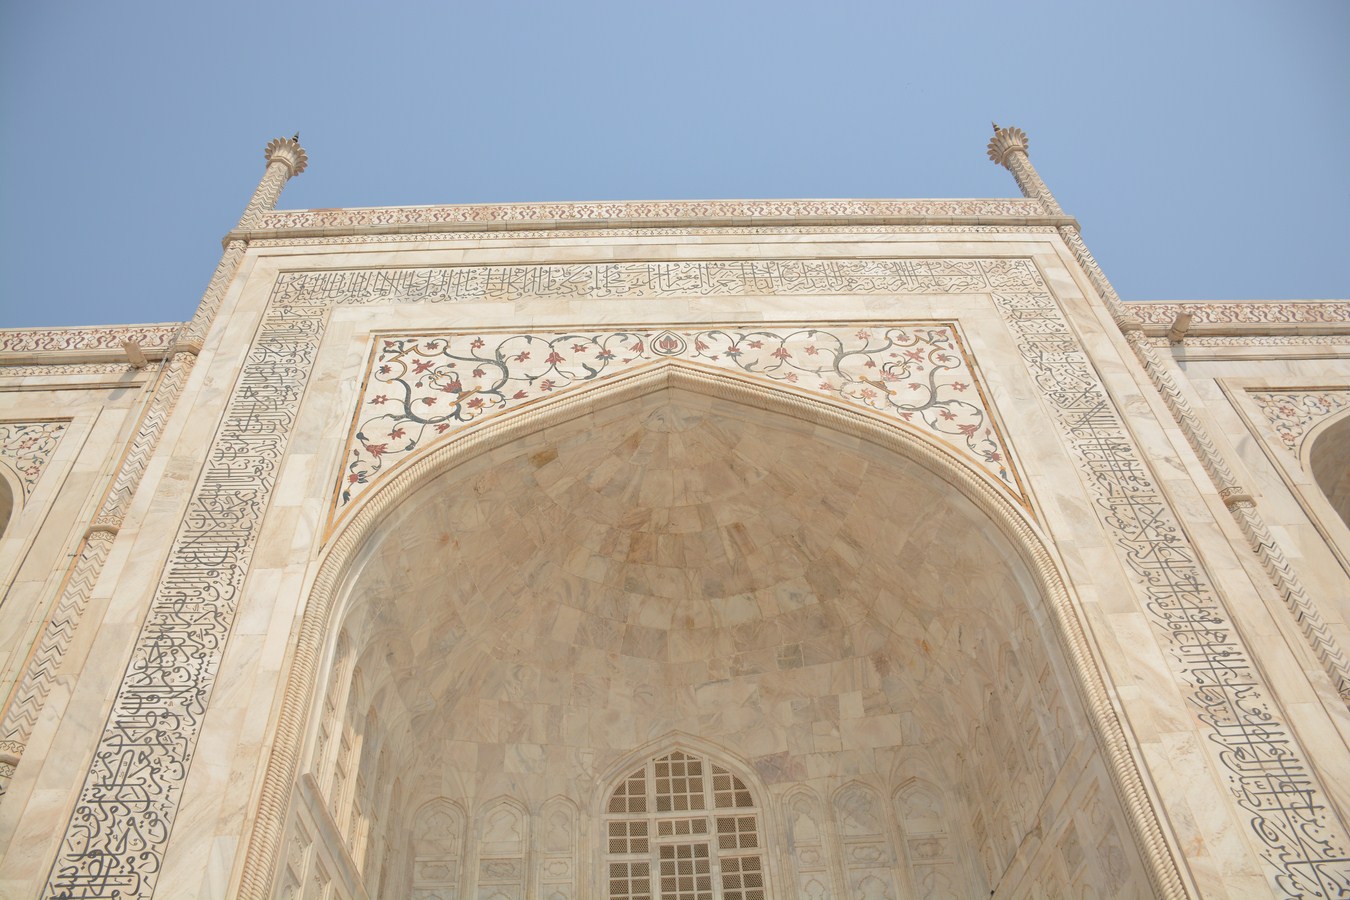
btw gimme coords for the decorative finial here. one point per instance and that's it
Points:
(288, 151)
(1006, 141)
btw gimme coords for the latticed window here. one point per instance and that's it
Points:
(681, 827)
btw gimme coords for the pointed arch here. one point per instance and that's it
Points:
(675, 815)
(828, 419)
(502, 825)
(931, 850)
(807, 843)
(502, 837)
(869, 848)
(438, 836)
(558, 847)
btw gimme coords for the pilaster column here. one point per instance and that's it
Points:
(1008, 148)
(285, 158)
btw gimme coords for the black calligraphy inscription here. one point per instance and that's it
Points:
(114, 843)
(1266, 768)
(635, 280)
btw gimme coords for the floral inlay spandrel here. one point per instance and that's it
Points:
(1293, 413)
(422, 387)
(27, 447)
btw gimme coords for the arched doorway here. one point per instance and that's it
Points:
(828, 603)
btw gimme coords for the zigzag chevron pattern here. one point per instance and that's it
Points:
(195, 331)
(37, 681)
(1272, 558)
(147, 438)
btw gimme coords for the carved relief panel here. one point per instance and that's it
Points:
(438, 849)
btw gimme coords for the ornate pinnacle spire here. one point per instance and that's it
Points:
(288, 151)
(1006, 141)
(285, 159)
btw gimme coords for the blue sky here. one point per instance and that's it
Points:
(1202, 145)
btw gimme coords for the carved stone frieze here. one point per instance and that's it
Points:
(1245, 312)
(59, 369)
(501, 214)
(1257, 340)
(37, 340)
(673, 230)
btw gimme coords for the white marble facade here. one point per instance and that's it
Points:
(818, 549)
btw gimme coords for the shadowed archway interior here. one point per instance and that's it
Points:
(7, 507)
(836, 624)
(1329, 460)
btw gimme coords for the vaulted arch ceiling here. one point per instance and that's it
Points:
(677, 562)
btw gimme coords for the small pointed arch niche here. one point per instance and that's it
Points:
(683, 824)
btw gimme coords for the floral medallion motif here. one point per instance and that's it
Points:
(421, 389)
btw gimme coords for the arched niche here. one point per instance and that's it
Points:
(1329, 461)
(815, 592)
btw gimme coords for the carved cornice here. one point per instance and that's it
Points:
(1246, 316)
(654, 213)
(152, 338)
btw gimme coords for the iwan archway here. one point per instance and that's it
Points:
(681, 618)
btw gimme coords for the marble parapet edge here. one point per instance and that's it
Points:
(43, 346)
(685, 214)
(594, 210)
(563, 225)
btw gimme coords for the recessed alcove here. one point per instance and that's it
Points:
(1329, 459)
(6, 504)
(828, 622)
